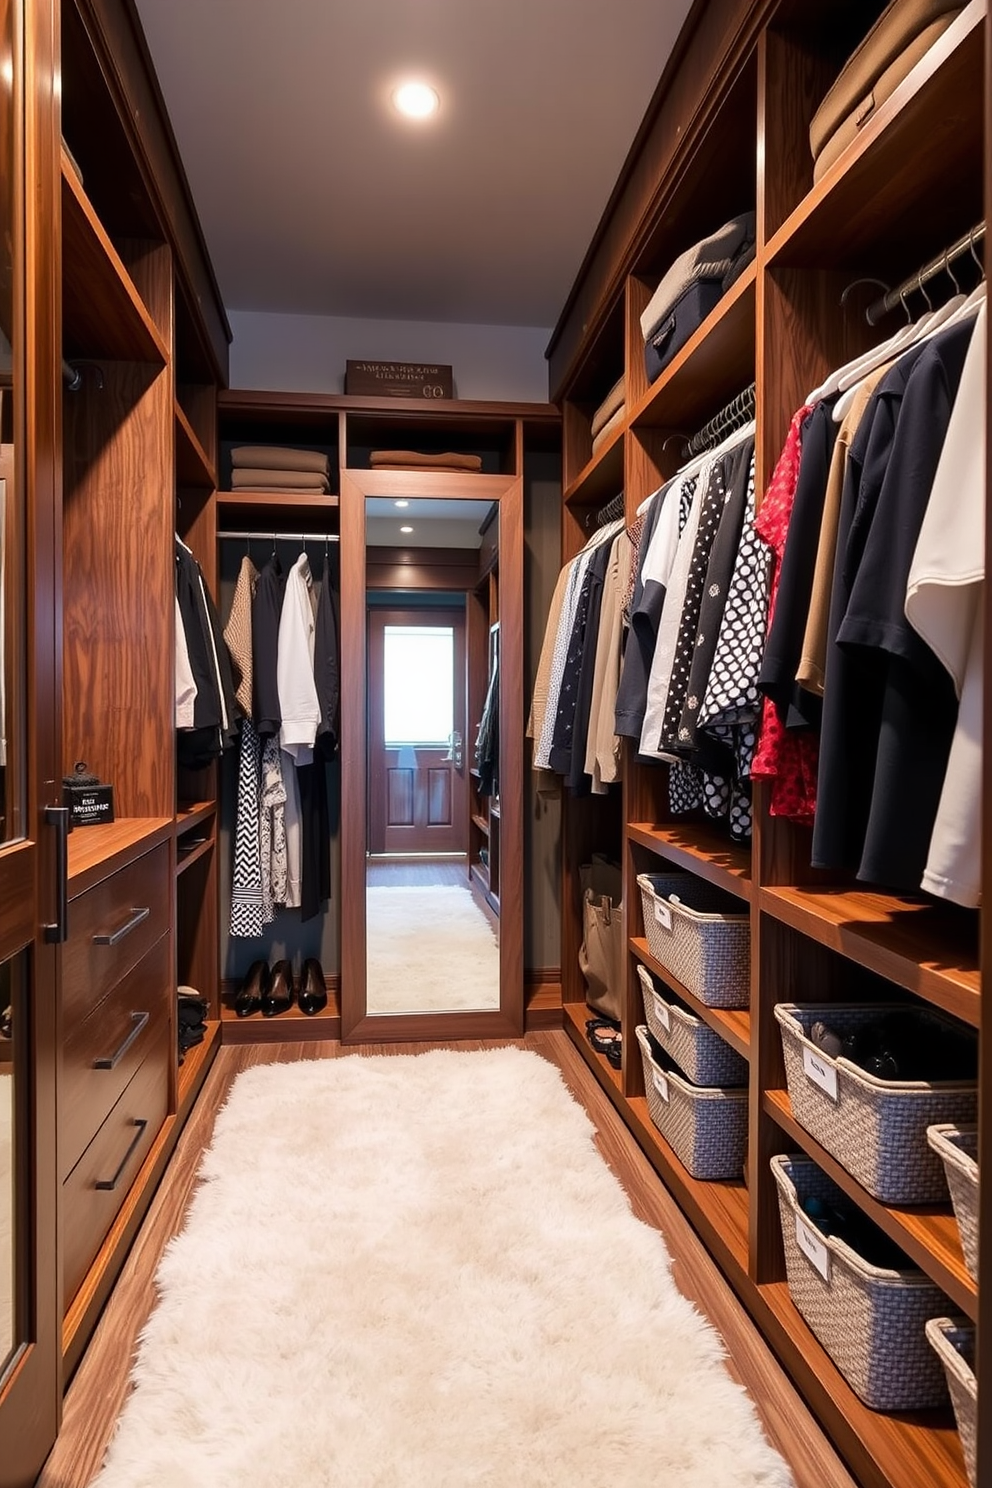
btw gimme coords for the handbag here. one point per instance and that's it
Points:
(601, 951)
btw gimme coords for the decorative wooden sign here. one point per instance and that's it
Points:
(398, 380)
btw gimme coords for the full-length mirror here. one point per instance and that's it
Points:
(7, 1164)
(436, 944)
(432, 901)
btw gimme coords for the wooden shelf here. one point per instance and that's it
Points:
(185, 860)
(715, 364)
(96, 852)
(574, 1015)
(918, 1449)
(193, 466)
(193, 814)
(601, 478)
(732, 1024)
(928, 1233)
(720, 1209)
(102, 313)
(869, 198)
(701, 849)
(275, 511)
(306, 1026)
(196, 1062)
(481, 823)
(927, 949)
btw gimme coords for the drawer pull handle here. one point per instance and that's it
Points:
(58, 817)
(107, 1185)
(138, 1021)
(116, 936)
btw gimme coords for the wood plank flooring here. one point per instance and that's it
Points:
(101, 1382)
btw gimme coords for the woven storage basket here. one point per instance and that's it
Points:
(957, 1148)
(697, 1049)
(706, 1128)
(700, 937)
(954, 1341)
(876, 1128)
(870, 1321)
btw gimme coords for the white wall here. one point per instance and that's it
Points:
(307, 354)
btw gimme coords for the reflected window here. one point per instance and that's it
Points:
(418, 685)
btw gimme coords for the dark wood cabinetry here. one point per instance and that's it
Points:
(913, 181)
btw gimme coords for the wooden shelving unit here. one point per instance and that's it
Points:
(193, 465)
(914, 180)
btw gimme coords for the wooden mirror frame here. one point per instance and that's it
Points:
(357, 1025)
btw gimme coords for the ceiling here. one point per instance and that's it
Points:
(316, 198)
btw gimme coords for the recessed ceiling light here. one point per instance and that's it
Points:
(416, 100)
(406, 529)
(401, 503)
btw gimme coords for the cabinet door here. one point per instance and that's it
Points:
(29, 772)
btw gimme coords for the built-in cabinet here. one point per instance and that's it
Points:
(742, 91)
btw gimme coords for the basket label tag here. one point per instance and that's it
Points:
(813, 1249)
(820, 1073)
(663, 913)
(664, 1016)
(661, 1084)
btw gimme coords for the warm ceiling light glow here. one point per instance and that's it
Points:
(416, 100)
(401, 503)
(406, 529)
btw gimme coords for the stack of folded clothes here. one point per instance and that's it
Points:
(413, 460)
(902, 35)
(191, 1019)
(264, 467)
(609, 415)
(692, 287)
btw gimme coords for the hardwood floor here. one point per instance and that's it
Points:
(101, 1382)
(416, 873)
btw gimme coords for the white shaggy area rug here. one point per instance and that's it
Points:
(430, 950)
(6, 1216)
(417, 1272)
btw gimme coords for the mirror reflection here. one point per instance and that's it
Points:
(6, 1163)
(432, 848)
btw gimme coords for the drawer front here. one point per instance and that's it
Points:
(111, 927)
(105, 1050)
(99, 1183)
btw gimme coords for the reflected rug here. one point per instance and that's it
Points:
(416, 1271)
(430, 950)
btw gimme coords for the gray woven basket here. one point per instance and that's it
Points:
(957, 1148)
(876, 1128)
(954, 1341)
(697, 1049)
(697, 937)
(870, 1320)
(706, 1128)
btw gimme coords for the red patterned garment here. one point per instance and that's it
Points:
(789, 759)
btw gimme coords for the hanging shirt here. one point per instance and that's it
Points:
(299, 706)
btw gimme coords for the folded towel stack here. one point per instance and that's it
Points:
(609, 415)
(264, 467)
(692, 287)
(412, 460)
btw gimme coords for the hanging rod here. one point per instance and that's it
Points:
(938, 265)
(735, 415)
(263, 536)
(611, 512)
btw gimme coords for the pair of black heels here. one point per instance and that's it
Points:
(271, 991)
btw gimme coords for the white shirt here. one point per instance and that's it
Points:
(298, 702)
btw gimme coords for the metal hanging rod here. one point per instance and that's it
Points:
(938, 265)
(611, 512)
(734, 416)
(280, 537)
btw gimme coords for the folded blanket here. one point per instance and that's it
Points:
(276, 457)
(613, 422)
(411, 460)
(608, 407)
(711, 258)
(275, 489)
(296, 480)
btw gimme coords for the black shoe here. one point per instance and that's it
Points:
(313, 987)
(254, 988)
(279, 996)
